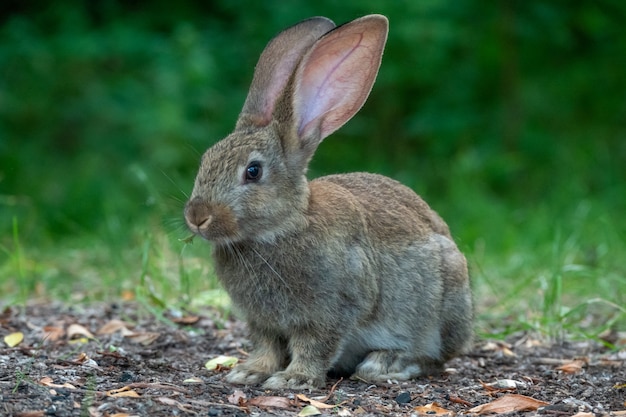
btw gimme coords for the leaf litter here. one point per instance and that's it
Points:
(118, 360)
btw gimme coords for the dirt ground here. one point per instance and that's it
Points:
(120, 360)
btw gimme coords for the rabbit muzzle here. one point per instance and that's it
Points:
(213, 222)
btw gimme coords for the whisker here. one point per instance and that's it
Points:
(175, 184)
(271, 268)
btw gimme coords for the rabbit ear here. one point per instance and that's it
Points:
(275, 67)
(335, 77)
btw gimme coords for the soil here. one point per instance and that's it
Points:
(122, 360)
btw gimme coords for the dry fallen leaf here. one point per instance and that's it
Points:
(77, 330)
(186, 320)
(112, 326)
(503, 385)
(52, 333)
(508, 404)
(572, 367)
(237, 397)
(14, 339)
(46, 381)
(143, 338)
(193, 380)
(459, 400)
(309, 410)
(498, 347)
(177, 404)
(128, 295)
(274, 402)
(314, 403)
(432, 409)
(222, 361)
(123, 392)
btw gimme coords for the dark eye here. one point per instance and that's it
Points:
(254, 171)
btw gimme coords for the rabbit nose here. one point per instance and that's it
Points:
(197, 215)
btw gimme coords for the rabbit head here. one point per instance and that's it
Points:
(309, 81)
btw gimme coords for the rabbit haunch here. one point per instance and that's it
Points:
(349, 273)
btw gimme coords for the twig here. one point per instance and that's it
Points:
(332, 390)
(551, 361)
(158, 386)
(212, 404)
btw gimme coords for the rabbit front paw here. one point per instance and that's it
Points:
(244, 375)
(291, 380)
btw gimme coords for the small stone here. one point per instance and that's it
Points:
(403, 398)
(125, 377)
(214, 412)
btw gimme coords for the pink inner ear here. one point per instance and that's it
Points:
(276, 65)
(335, 79)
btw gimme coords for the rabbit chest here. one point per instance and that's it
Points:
(298, 281)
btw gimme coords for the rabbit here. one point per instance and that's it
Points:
(348, 274)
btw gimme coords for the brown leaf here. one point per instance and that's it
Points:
(274, 402)
(433, 409)
(143, 338)
(46, 381)
(128, 295)
(112, 326)
(572, 367)
(77, 330)
(500, 348)
(122, 392)
(186, 320)
(237, 397)
(508, 404)
(315, 403)
(52, 333)
(174, 403)
(459, 400)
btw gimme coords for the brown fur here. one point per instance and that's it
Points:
(349, 273)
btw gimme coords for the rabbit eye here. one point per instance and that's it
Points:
(254, 171)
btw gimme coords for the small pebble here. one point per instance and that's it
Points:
(125, 377)
(403, 398)
(214, 412)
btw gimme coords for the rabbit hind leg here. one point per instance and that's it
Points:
(382, 365)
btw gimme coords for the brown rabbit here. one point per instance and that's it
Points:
(352, 273)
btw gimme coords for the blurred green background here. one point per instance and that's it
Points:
(508, 117)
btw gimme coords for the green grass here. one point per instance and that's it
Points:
(556, 271)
